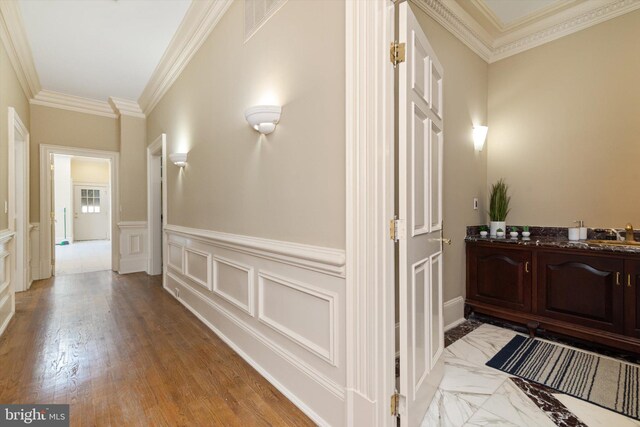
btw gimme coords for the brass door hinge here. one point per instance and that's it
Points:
(397, 53)
(396, 229)
(396, 402)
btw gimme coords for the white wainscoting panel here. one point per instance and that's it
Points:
(7, 293)
(285, 305)
(34, 248)
(280, 305)
(234, 282)
(197, 267)
(134, 253)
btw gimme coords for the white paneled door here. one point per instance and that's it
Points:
(420, 125)
(90, 212)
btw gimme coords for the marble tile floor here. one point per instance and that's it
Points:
(83, 257)
(473, 394)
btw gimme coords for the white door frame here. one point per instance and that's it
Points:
(370, 320)
(45, 201)
(155, 151)
(19, 200)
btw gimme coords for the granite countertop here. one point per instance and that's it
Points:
(556, 237)
(554, 242)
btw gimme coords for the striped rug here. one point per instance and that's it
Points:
(602, 381)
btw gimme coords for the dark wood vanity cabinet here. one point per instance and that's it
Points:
(581, 289)
(632, 297)
(500, 276)
(589, 295)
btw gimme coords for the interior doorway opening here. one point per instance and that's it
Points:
(156, 204)
(82, 214)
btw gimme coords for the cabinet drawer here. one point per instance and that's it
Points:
(582, 289)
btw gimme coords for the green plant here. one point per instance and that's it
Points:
(484, 228)
(499, 230)
(499, 201)
(514, 229)
(525, 228)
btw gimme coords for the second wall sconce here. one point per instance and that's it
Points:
(178, 159)
(263, 118)
(479, 136)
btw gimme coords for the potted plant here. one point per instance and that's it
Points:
(499, 206)
(500, 232)
(514, 232)
(525, 231)
(484, 231)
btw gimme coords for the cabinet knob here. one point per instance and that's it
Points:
(628, 280)
(618, 278)
(526, 267)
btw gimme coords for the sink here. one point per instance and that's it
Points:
(613, 242)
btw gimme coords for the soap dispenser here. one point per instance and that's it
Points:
(583, 230)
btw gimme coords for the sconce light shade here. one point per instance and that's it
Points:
(178, 159)
(479, 136)
(263, 118)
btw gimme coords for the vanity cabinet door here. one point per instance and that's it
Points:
(632, 298)
(499, 276)
(581, 289)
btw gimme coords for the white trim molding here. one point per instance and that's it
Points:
(199, 21)
(369, 117)
(133, 250)
(7, 287)
(324, 260)
(14, 38)
(126, 107)
(52, 99)
(514, 40)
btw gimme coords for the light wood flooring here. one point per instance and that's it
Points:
(122, 352)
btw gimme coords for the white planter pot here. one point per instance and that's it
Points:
(513, 234)
(495, 225)
(483, 233)
(526, 233)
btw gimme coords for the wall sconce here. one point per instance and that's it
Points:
(178, 159)
(479, 136)
(263, 118)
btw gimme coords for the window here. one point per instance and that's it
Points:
(90, 201)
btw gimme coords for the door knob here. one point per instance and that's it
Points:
(446, 241)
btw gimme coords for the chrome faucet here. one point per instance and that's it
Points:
(629, 237)
(615, 233)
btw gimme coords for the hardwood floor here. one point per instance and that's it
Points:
(123, 352)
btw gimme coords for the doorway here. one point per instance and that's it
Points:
(74, 230)
(82, 214)
(19, 200)
(156, 203)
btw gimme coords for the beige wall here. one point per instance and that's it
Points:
(55, 126)
(289, 185)
(564, 124)
(11, 95)
(89, 171)
(133, 169)
(465, 105)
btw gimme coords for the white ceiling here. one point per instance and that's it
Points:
(99, 48)
(509, 11)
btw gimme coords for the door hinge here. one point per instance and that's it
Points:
(397, 53)
(396, 402)
(53, 216)
(51, 165)
(396, 231)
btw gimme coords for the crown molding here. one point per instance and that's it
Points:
(16, 43)
(49, 98)
(200, 19)
(460, 23)
(126, 107)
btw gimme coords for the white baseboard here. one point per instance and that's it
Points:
(453, 313)
(132, 265)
